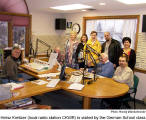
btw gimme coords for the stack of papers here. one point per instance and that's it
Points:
(53, 82)
(40, 82)
(15, 86)
(19, 103)
(75, 79)
(48, 75)
(76, 86)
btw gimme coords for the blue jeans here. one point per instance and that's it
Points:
(4, 81)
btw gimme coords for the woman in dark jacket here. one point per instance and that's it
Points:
(79, 51)
(129, 52)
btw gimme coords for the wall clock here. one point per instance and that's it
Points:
(76, 27)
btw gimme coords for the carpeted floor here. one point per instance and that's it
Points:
(64, 100)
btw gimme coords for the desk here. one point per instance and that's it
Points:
(102, 88)
(30, 89)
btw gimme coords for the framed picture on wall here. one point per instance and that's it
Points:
(69, 25)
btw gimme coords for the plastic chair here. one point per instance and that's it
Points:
(132, 91)
(136, 81)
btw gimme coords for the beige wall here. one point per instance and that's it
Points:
(44, 23)
(43, 28)
(52, 40)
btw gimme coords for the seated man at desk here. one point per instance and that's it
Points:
(10, 68)
(106, 67)
(123, 73)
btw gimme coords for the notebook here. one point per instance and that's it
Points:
(53, 82)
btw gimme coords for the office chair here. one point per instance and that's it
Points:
(136, 81)
(132, 91)
(2, 76)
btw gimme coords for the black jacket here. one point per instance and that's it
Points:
(132, 59)
(114, 51)
(79, 48)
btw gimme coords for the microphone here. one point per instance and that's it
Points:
(92, 50)
(62, 73)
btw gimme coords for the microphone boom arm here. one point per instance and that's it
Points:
(44, 43)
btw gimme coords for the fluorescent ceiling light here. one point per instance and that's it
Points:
(102, 3)
(84, 10)
(71, 7)
(132, 1)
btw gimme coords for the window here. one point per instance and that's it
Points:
(3, 34)
(118, 26)
(19, 35)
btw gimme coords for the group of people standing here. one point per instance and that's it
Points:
(114, 60)
(88, 54)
